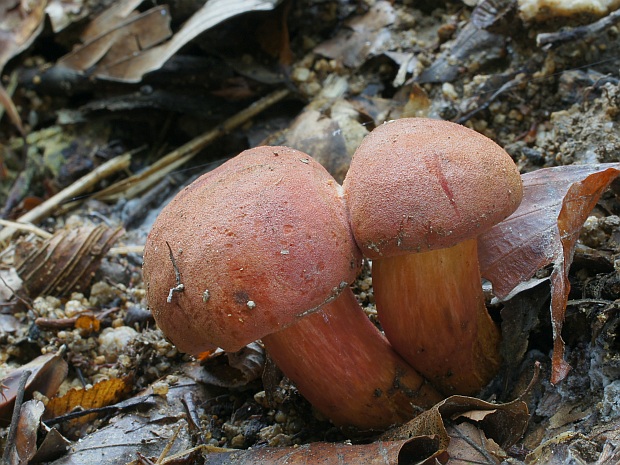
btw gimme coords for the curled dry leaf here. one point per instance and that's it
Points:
(47, 374)
(544, 230)
(503, 423)
(25, 446)
(66, 261)
(230, 370)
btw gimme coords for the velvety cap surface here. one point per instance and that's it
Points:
(258, 241)
(419, 184)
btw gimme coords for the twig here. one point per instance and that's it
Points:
(132, 186)
(19, 399)
(551, 40)
(177, 274)
(168, 446)
(533, 381)
(26, 227)
(127, 249)
(80, 186)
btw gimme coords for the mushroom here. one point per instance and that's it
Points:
(419, 192)
(261, 247)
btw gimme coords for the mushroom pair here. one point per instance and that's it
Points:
(264, 247)
(261, 248)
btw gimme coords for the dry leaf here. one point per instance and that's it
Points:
(544, 230)
(376, 453)
(20, 23)
(469, 445)
(25, 446)
(366, 36)
(102, 394)
(143, 432)
(472, 47)
(134, 66)
(132, 35)
(66, 261)
(10, 283)
(234, 370)
(504, 423)
(47, 374)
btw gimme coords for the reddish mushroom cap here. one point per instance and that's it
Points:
(258, 241)
(419, 184)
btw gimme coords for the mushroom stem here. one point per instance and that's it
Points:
(432, 310)
(347, 369)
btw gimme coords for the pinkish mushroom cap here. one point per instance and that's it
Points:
(420, 184)
(258, 242)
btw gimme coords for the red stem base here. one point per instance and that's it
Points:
(347, 370)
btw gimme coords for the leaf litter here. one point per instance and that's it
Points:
(354, 67)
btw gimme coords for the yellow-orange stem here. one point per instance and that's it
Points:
(347, 369)
(432, 310)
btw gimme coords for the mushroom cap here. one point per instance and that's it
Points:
(258, 242)
(419, 184)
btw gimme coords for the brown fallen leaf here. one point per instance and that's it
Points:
(129, 36)
(132, 67)
(469, 445)
(66, 261)
(25, 446)
(503, 423)
(47, 374)
(544, 230)
(230, 370)
(376, 453)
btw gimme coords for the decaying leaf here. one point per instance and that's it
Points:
(66, 261)
(10, 283)
(503, 423)
(376, 453)
(104, 393)
(25, 446)
(144, 432)
(47, 374)
(365, 37)
(20, 23)
(230, 370)
(472, 47)
(134, 34)
(544, 230)
(149, 56)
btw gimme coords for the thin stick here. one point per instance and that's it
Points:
(137, 183)
(26, 227)
(168, 446)
(80, 186)
(19, 399)
(126, 249)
